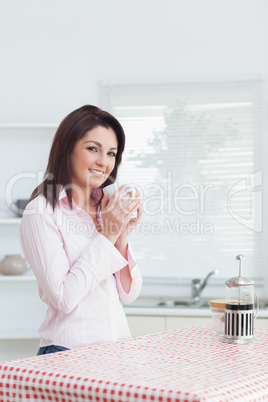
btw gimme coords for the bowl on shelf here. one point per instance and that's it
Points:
(21, 204)
(13, 264)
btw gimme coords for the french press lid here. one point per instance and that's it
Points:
(239, 280)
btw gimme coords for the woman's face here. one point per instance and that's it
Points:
(93, 157)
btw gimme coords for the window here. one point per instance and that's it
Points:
(196, 153)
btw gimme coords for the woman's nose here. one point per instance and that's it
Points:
(102, 160)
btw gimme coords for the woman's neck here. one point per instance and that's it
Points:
(82, 198)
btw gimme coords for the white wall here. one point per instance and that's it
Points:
(54, 52)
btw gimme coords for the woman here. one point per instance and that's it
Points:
(79, 255)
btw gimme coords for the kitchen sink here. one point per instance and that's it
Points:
(179, 303)
(190, 303)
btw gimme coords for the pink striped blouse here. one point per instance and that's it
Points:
(78, 275)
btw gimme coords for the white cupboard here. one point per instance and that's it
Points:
(144, 325)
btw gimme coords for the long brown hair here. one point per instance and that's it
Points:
(72, 129)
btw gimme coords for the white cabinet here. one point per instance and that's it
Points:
(11, 349)
(261, 323)
(24, 153)
(21, 311)
(182, 322)
(144, 325)
(21, 315)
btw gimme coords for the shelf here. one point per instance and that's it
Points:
(28, 125)
(10, 221)
(14, 278)
(22, 333)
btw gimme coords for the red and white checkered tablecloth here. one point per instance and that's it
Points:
(184, 365)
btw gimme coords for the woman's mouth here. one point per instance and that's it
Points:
(97, 173)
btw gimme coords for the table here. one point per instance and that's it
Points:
(185, 365)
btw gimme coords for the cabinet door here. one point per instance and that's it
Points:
(144, 325)
(11, 349)
(261, 323)
(182, 322)
(22, 310)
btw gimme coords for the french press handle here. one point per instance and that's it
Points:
(257, 306)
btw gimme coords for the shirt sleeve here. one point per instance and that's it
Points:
(64, 285)
(136, 283)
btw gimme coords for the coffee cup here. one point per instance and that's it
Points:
(112, 188)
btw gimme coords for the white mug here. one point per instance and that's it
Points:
(112, 188)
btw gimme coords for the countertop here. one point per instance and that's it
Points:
(149, 308)
(189, 364)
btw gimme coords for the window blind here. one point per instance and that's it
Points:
(196, 153)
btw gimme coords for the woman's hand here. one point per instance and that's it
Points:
(132, 223)
(117, 222)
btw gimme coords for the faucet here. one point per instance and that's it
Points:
(197, 286)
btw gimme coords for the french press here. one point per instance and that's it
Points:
(239, 309)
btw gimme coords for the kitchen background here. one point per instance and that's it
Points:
(187, 79)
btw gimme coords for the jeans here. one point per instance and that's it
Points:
(50, 349)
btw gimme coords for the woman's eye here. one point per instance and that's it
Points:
(112, 154)
(92, 149)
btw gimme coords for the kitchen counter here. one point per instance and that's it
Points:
(168, 311)
(178, 312)
(148, 317)
(152, 308)
(189, 364)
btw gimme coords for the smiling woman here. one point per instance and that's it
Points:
(79, 127)
(83, 275)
